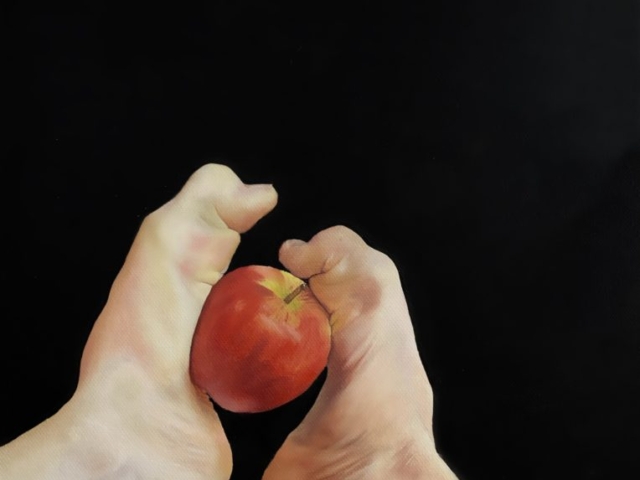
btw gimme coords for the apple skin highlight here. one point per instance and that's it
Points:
(252, 351)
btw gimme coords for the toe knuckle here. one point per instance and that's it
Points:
(212, 174)
(152, 221)
(339, 236)
(161, 225)
(380, 264)
(343, 231)
(213, 170)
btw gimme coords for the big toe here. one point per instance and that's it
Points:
(200, 227)
(220, 195)
(358, 285)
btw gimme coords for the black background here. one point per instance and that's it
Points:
(490, 148)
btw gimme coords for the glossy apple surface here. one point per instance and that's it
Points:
(261, 340)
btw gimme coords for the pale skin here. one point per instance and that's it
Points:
(135, 413)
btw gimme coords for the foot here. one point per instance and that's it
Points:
(146, 418)
(372, 418)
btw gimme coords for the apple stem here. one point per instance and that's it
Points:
(295, 293)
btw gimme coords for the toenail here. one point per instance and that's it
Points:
(293, 243)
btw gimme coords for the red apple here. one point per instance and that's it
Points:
(261, 340)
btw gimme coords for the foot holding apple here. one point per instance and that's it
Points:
(135, 413)
(373, 416)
